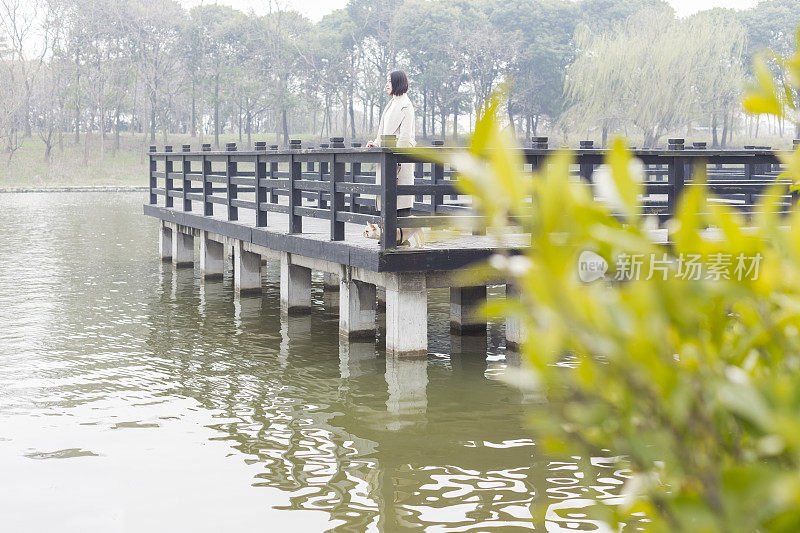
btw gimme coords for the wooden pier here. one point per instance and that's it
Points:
(306, 207)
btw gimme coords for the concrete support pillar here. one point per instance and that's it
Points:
(212, 260)
(182, 249)
(406, 314)
(515, 329)
(295, 287)
(165, 242)
(381, 298)
(357, 303)
(246, 270)
(465, 304)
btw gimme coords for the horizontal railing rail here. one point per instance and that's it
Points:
(339, 184)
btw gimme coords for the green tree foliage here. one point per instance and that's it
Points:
(691, 380)
(639, 75)
(130, 66)
(538, 59)
(771, 25)
(772, 28)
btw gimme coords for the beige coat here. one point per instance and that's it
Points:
(398, 119)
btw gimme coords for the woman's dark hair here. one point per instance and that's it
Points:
(399, 82)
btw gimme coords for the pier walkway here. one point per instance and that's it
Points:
(306, 207)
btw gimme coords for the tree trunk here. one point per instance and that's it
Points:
(249, 120)
(77, 125)
(152, 117)
(511, 120)
(86, 138)
(604, 140)
(116, 130)
(724, 130)
(425, 114)
(239, 120)
(27, 112)
(344, 115)
(649, 139)
(352, 112)
(371, 117)
(216, 111)
(285, 121)
(194, 111)
(714, 140)
(102, 132)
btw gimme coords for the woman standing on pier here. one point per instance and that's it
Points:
(398, 120)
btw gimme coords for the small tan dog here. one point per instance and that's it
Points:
(415, 238)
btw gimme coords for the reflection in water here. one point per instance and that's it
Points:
(356, 358)
(407, 380)
(136, 396)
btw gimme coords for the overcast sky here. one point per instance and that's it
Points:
(316, 9)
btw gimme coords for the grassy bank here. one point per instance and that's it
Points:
(75, 165)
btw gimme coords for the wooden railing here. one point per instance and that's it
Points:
(337, 184)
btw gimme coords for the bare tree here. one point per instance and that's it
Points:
(25, 36)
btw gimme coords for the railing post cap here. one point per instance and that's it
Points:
(152, 148)
(168, 148)
(273, 146)
(261, 146)
(699, 145)
(186, 147)
(206, 147)
(539, 142)
(355, 144)
(230, 147)
(437, 142)
(586, 144)
(295, 144)
(796, 142)
(675, 144)
(324, 145)
(749, 147)
(337, 139)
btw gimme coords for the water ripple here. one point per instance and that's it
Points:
(159, 388)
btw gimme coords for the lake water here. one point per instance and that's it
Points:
(138, 398)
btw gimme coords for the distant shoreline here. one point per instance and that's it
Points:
(77, 188)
